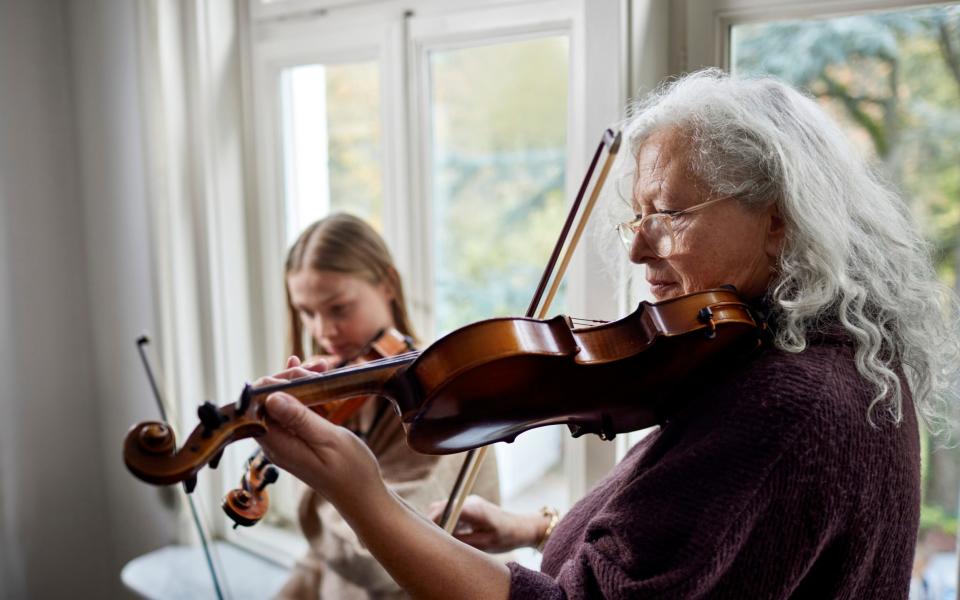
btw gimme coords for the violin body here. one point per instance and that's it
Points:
(501, 377)
(491, 380)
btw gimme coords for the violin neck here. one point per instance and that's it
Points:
(364, 380)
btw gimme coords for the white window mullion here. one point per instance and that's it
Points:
(420, 229)
(402, 217)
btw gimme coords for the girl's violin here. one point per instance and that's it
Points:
(491, 380)
(247, 504)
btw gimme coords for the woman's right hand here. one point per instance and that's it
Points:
(487, 527)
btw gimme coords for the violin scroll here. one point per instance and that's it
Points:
(150, 448)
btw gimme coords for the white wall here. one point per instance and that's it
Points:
(75, 291)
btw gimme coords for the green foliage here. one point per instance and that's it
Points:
(353, 122)
(935, 517)
(499, 164)
(889, 78)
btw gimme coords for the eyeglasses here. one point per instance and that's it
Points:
(656, 228)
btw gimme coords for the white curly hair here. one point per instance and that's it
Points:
(851, 254)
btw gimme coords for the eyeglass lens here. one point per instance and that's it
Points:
(656, 231)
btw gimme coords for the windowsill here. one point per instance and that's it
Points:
(280, 546)
(182, 572)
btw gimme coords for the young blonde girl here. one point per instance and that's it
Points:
(342, 289)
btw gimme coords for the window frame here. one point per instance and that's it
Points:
(704, 40)
(340, 45)
(478, 27)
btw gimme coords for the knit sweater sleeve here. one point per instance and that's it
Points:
(693, 514)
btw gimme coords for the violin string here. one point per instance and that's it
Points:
(399, 358)
(587, 322)
(373, 365)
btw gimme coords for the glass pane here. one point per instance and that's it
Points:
(331, 147)
(499, 116)
(331, 143)
(893, 80)
(499, 130)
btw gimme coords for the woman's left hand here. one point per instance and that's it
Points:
(328, 458)
(335, 463)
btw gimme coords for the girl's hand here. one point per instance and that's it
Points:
(487, 527)
(331, 361)
(326, 457)
(296, 370)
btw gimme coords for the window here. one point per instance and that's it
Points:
(498, 122)
(498, 117)
(453, 130)
(331, 143)
(320, 134)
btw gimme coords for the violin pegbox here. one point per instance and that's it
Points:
(150, 450)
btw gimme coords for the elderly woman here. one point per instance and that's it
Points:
(795, 474)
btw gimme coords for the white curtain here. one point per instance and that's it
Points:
(196, 184)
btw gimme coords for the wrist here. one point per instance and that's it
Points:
(546, 522)
(361, 509)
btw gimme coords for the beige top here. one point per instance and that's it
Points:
(337, 565)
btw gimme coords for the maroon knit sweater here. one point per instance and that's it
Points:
(771, 484)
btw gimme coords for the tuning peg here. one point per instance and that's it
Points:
(210, 417)
(216, 459)
(270, 475)
(262, 463)
(244, 402)
(190, 484)
(243, 508)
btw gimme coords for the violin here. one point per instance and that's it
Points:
(247, 504)
(489, 381)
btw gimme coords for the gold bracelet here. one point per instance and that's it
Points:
(554, 515)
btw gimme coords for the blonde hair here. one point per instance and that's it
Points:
(346, 244)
